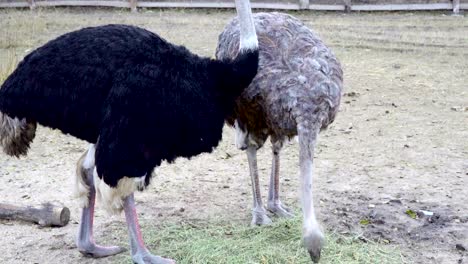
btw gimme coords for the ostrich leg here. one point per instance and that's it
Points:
(85, 241)
(140, 254)
(312, 235)
(259, 216)
(274, 204)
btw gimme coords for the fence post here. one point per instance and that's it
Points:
(303, 4)
(32, 4)
(456, 7)
(133, 5)
(347, 6)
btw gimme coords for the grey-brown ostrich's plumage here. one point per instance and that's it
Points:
(296, 91)
(298, 77)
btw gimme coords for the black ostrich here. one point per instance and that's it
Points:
(136, 98)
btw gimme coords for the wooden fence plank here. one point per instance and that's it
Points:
(185, 4)
(84, 3)
(14, 4)
(327, 7)
(402, 7)
(455, 6)
(282, 6)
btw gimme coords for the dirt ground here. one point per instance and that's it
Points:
(400, 141)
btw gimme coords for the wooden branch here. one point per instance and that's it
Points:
(44, 215)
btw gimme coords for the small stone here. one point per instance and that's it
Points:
(351, 94)
(398, 201)
(426, 213)
(182, 209)
(460, 247)
(378, 222)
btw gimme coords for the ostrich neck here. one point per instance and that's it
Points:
(248, 36)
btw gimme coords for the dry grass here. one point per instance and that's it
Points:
(8, 66)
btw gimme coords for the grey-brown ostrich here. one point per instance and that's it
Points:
(296, 91)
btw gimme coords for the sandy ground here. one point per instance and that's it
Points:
(400, 141)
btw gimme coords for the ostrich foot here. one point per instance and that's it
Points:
(259, 217)
(96, 251)
(313, 242)
(147, 258)
(140, 253)
(280, 210)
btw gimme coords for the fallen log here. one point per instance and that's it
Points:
(45, 215)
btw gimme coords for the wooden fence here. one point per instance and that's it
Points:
(328, 5)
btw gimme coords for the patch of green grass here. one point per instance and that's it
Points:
(278, 243)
